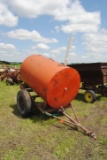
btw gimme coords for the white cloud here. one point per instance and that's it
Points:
(79, 28)
(34, 8)
(73, 18)
(57, 28)
(96, 43)
(79, 20)
(6, 17)
(41, 46)
(23, 34)
(76, 17)
(59, 50)
(9, 52)
(4, 46)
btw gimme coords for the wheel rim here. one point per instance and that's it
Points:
(89, 97)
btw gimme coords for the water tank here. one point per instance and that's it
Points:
(56, 83)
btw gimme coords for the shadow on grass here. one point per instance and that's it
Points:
(35, 115)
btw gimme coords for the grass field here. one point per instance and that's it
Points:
(43, 138)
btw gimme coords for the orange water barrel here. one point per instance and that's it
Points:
(57, 84)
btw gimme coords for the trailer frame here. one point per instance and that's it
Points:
(93, 79)
(26, 102)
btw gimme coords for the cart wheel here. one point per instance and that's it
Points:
(90, 96)
(9, 81)
(24, 103)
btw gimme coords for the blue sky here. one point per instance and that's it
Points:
(45, 26)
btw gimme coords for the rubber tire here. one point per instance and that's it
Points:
(9, 81)
(90, 96)
(24, 103)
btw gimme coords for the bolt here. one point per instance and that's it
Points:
(65, 88)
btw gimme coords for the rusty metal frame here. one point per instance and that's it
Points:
(70, 121)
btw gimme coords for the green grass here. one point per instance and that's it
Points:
(40, 137)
